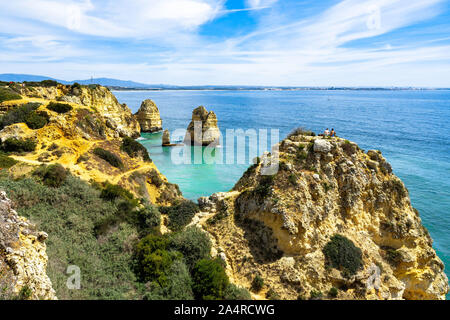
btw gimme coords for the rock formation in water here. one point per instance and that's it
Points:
(333, 222)
(89, 138)
(23, 258)
(203, 129)
(166, 138)
(148, 117)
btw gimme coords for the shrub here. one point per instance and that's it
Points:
(43, 83)
(24, 114)
(59, 107)
(180, 213)
(109, 157)
(315, 295)
(134, 149)
(257, 283)
(193, 243)
(16, 145)
(333, 292)
(178, 285)
(301, 131)
(153, 259)
(264, 186)
(148, 219)
(342, 254)
(6, 162)
(301, 155)
(155, 178)
(25, 293)
(233, 292)
(293, 179)
(209, 280)
(114, 191)
(7, 94)
(53, 175)
(272, 295)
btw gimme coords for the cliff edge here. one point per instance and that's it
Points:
(333, 222)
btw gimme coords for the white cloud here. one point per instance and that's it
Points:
(256, 4)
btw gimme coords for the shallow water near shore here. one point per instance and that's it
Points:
(409, 127)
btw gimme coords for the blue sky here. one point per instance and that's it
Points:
(240, 42)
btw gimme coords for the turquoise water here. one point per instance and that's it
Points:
(409, 127)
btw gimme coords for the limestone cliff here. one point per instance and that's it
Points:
(148, 117)
(282, 226)
(72, 138)
(203, 129)
(23, 258)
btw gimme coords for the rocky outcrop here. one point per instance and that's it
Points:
(148, 117)
(203, 129)
(23, 258)
(71, 138)
(166, 138)
(325, 190)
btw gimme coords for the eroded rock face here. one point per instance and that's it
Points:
(148, 117)
(277, 226)
(23, 258)
(203, 129)
(166, 138)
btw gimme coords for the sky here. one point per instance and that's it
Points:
(230, 42)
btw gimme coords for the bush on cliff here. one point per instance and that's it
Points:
(43, 83)
(257, 283)
(17, 145)
(180, 213)
(109, 157)
(154, 260)
(53, 175)
(301, 131)
(193, 243)
(134, 149)
(7, 94)
(59, 107)
(233, 292)
(113, 191)
(209, 280)
(25, 113)
(341, 253)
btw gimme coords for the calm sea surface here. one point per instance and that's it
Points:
(411, 128)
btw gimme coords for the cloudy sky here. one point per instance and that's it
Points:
(241, 42)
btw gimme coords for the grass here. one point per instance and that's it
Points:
(6, 162)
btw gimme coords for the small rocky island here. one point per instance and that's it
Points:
(203, 129)
(148, 117)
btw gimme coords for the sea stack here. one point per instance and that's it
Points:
(148, 117)
(203, 129)
(166, 138)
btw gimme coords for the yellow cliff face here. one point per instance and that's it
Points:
(277, 226)
(96, 120)
(23, 258)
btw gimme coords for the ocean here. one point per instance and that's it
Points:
(410, 127)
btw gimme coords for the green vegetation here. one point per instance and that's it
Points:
(59, 107)
(315, 295)
(327, 187)
(264, 186)
(113, 191)
(154, 260)
(257, 283)
(109, 157)
(43, 83)
(134, 149)
(293, 179)
(392, 256)
(7, 94)
(232, 292)
(193, 243)
(272, 295)
(25, 293)
(155, 178)
(6, 162)
(53, 175)
(341, 253)
(25, 113)
(301, 131)
(333, 292)
(209, 280)
(19, 146)
(180, 213)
